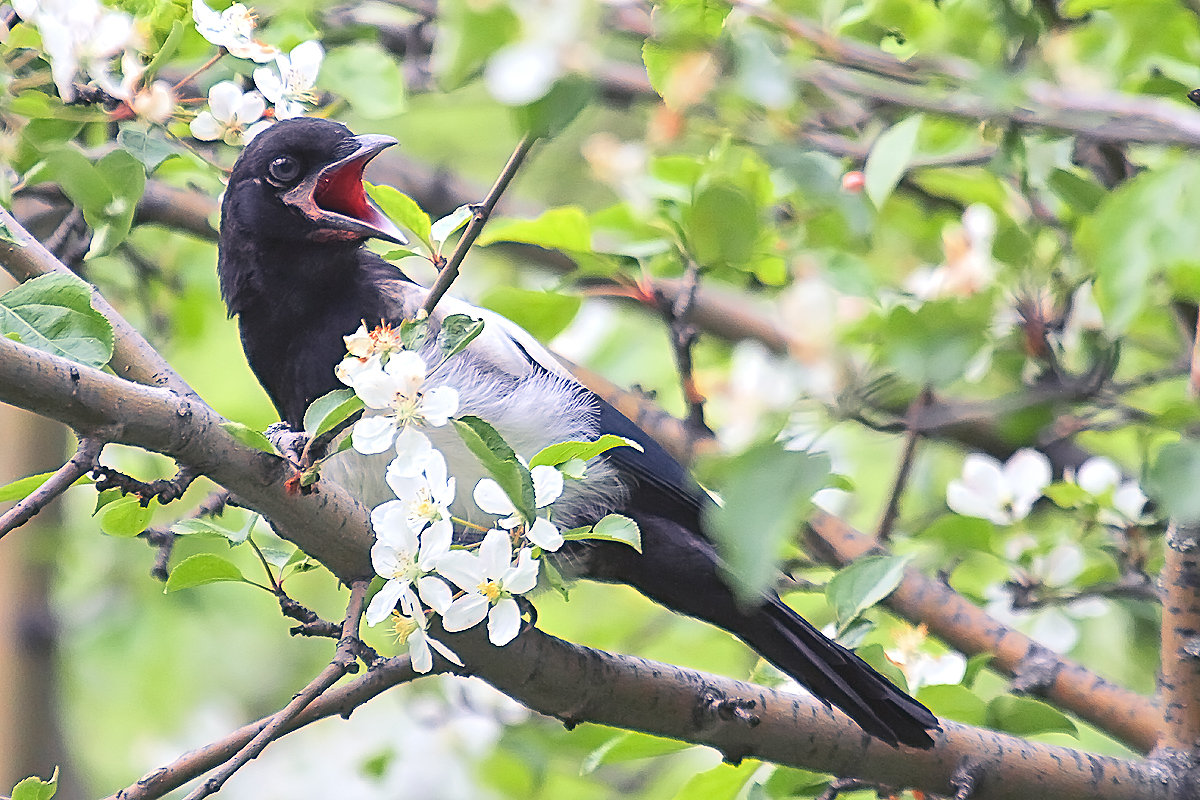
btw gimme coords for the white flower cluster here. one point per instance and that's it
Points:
(81, 39)
(236, 117)
(413, 550)
(1005, 493)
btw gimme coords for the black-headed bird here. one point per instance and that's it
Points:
(295, 272)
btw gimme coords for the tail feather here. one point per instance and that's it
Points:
(678, 569)
(838, 676)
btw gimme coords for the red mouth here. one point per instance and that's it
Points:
(341, 191)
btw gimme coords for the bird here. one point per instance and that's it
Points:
(295, 271)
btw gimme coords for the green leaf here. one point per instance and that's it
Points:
(458, 331)
(555, 579)
(1024, 716)
(954, 702)
(563, 228)
(368, 77)
(403, 210)
(875, 655)
(171, 44)
(723, 782)
(125, 517)
(54, 313)
(414, 332)
(499, 460)
(562, 452)
(889, 158)
(34, 788)
(612, 528)
(547, 116)
(721, 225)
(544, 314)
(629, 747)
(200, 569)
(125, 178)
(468, 33)
(147, 144)
(935, 343)
(23, 487)
(441, 230)
(204, 527)
(250, 437)
(766, 493)
(857, 587)
(1172, 480)
(1081, 194)
(330, 410)
(1141, 229)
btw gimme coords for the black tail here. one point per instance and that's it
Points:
(678, 569)
(838, 676)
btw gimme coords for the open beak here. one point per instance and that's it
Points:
(334, 197)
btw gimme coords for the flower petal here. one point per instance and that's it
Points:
(250, 108)
(522, 576)
(435, 593)
(544, 534)
(390, 522)
(205, 127)
(413, 451)
(547, 485)
(376, 387)
(461, 568)
(306, 61)
(445, 652)
(439, 404)
(384, 601)
(492, 499)
(418, 652)
(407, 371)
(1098, 475)
(465, 612)
(435, 543)
(504, 622)
(224, 99)
(495, 554)
(269, 83)
(373, 435)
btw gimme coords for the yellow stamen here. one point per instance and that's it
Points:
(403, 628)
(491, 590)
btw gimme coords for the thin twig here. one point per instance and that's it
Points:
(180, 83)
(911, 437)
(484, 210)
(80, 464)
(344, 661)
(678, 313)
(339, 701)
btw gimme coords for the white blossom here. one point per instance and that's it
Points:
(489, 579)
(1123, 502)
(232, 29)
(412, 628)
(547, 486)
(233, 116)
(401, 555)
(291, 90)
(79, 37)
(395, 388)
(424, 497)
(1003, 493)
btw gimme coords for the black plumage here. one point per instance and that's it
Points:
(294, 271)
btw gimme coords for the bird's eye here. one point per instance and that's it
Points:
(283, 170)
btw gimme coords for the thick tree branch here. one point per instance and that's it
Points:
(573, 683)
(24, 257)
(1179, 680)
(966, 627)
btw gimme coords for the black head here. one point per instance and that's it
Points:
(301, 180)
(297, 189)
